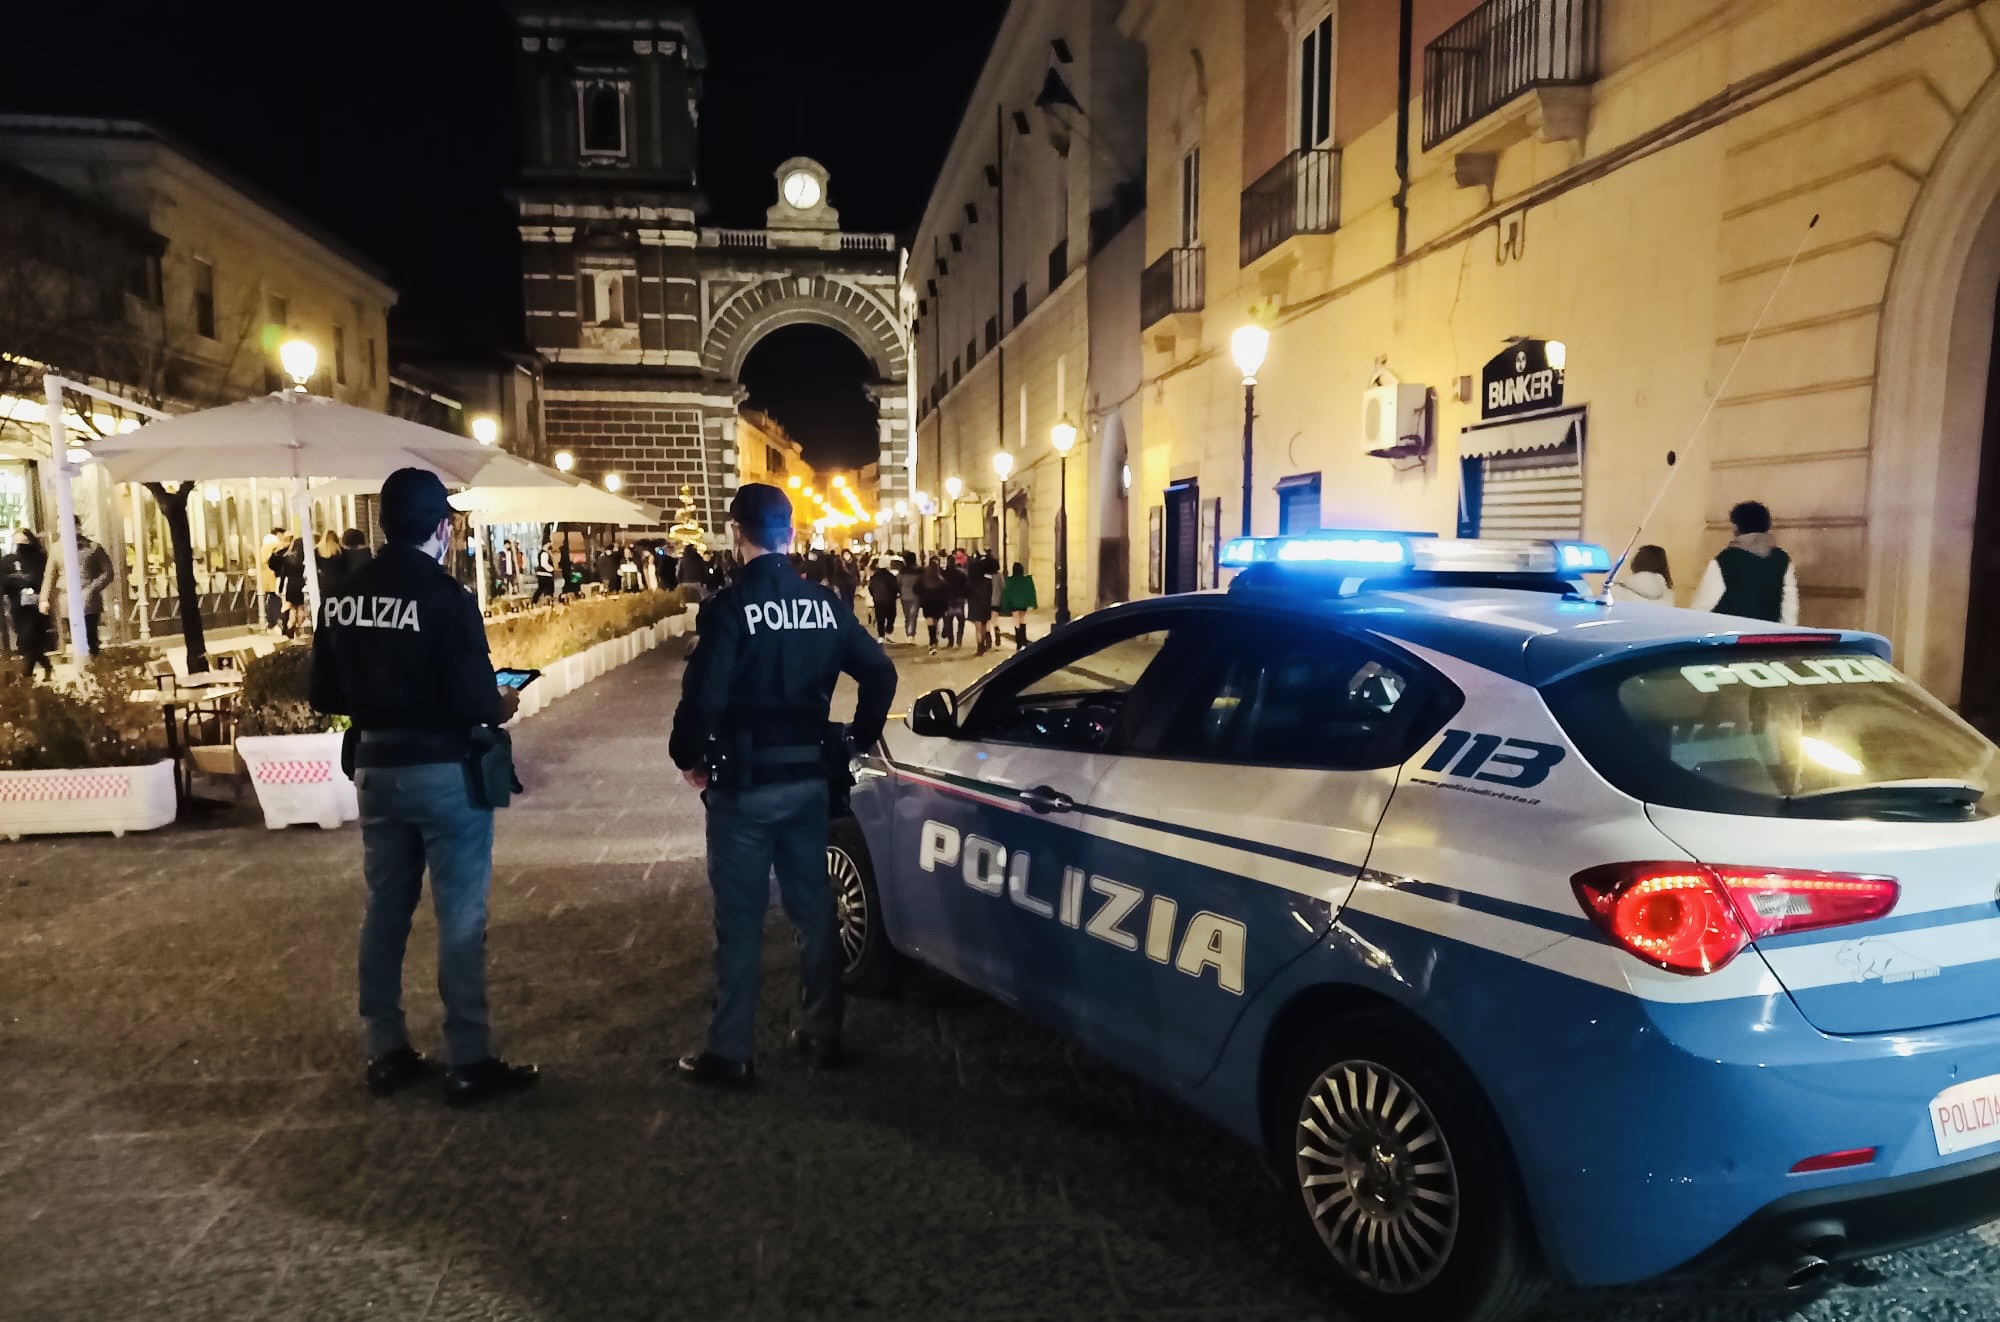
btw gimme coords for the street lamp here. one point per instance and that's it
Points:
(485, 430)
(1003, 464)
(793, 482)
(1247, 346)
(612, 482)
(1062, 436)
(565, 461)
(1557, 354)
(300, 360)
(839, 481)
(952, 486)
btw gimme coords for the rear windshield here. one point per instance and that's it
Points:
(1779, 732)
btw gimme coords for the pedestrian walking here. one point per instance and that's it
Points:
(883, 593)
(545, 575)
(267, 580)
(1017, 598)
(1752, 577)
(979, 600)
(629, 574)
(1650, 579)
(934, 598)
(752, 733)
(958, 589)
(23, 586)
(96, 566)
(908, 580)
(424, 748)
(288, 564)
(326, 562)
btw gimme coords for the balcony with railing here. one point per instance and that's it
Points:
(1501, 50)
(1177, 282)
(1299, 195)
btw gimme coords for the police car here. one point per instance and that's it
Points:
(1538, 937)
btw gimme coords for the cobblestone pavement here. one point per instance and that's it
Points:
(183, 1134)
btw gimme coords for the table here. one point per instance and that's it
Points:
(187, 696)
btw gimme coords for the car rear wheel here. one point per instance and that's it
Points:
(1404, 1179)
(868, 965)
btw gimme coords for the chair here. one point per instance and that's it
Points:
(208, 733)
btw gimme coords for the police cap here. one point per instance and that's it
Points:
(414, 502)
(763, 512)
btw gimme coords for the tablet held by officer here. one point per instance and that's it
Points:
(752, 732)
(401, 649)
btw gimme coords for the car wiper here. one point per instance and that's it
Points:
(1941, 793)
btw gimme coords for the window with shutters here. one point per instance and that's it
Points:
(1512, 491)
(1191, 199)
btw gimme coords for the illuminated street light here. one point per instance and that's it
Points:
(1247, 346)
(839, 481)
(612, 482)
(793, 482)
(1063, 435)
(565, 461)
(300, 360)
(952, 486)
(485, 430)
(902, 509)
(1557, 353)
(212, 494)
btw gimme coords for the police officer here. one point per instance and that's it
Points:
(752, 731)
(401, 649)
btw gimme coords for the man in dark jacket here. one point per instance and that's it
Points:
(751, 733)
(401, 649)
(1751, 577)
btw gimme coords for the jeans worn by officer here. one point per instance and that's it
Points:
(411, 817)
(781, 827)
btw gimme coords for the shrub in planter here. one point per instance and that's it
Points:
(95, 724)
(538, 638)
(277, 696)
(86, 758)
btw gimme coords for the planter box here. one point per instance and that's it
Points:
(298, 779)
(114, 799)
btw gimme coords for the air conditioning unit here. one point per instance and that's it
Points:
(1394, 421)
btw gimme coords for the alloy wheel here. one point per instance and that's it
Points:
(850, 905)
(1377, 1176)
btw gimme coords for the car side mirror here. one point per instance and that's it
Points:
(935, 715)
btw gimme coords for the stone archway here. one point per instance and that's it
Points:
(754, 311)
(1931, 366)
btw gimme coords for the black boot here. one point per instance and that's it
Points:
(393, 1071)
(1020, 635)
(713, 1071)
(468, 1085)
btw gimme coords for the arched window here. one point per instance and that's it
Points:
(600, 113)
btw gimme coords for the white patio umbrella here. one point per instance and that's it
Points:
(513, 489)
(287, 435)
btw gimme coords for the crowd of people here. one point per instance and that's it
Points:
(945, 592)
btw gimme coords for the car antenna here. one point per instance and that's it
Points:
(1673, 456)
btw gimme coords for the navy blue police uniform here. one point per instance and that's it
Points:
(754, 713)
(400, 649)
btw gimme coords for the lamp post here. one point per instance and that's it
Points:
(1003, 464)
(1062, 436)
(1247, 346)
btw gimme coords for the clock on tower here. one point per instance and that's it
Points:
(802, 198)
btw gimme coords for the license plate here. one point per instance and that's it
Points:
(1967, 1115)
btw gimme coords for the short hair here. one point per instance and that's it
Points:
(764, 513)
(354, 539)
(1750, 516)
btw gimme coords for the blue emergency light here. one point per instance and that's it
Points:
(1364, 553)
(1370, 552)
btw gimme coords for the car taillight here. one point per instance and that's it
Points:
(1694, 918)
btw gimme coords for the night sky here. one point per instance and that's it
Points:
(391, 125)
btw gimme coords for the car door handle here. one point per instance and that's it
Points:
(1046, 800)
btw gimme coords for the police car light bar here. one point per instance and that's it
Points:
(1371, 554)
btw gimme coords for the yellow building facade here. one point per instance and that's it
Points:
(1654, 180)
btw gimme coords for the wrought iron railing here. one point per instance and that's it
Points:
(1177, 282)
(1299, 195)
(1499, 51)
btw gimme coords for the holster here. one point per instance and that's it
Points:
(837, 760)
(489, 773)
